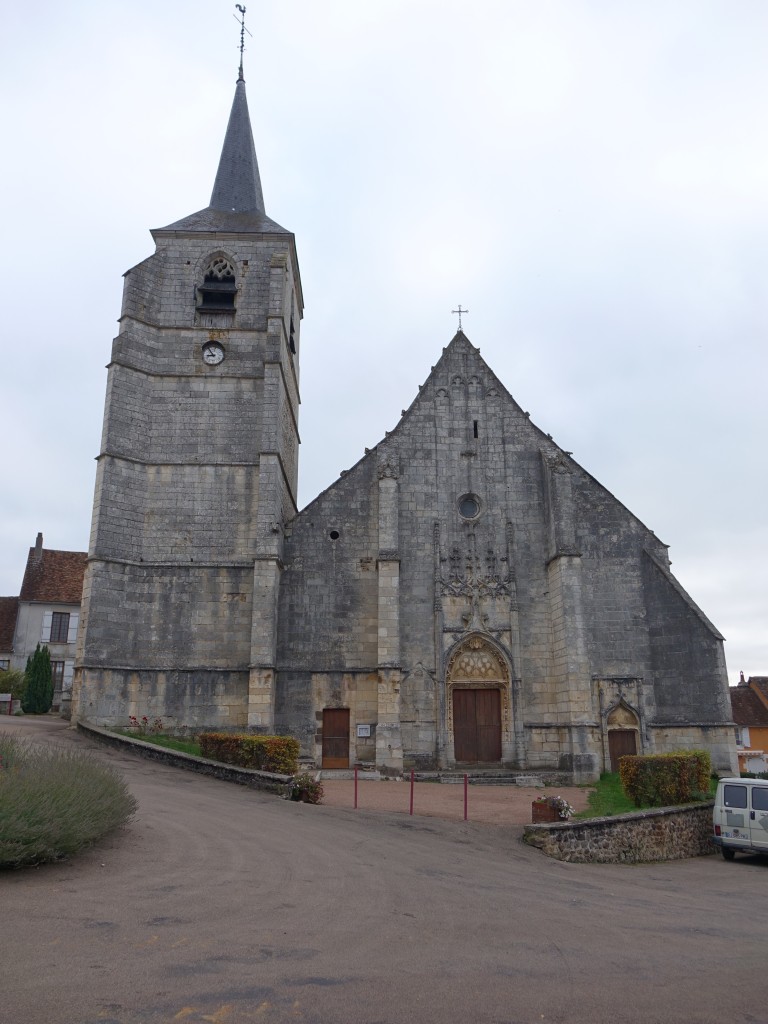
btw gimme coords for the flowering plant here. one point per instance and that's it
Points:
(559, 804)
(306, 788)
(142, 724)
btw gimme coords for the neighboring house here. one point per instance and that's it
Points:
(749, 701)
(9, 609)
(47, 611)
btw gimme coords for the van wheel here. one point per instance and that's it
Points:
(728, 853)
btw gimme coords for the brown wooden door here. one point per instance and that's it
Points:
(477, 726)
(621, 742)
(336, 738)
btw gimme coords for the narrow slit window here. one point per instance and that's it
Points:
(474, 428)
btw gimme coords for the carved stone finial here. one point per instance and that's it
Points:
(389, 468)
(558, 462)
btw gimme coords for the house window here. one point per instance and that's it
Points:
(57, 674)
(4, 664)
(218, 290)
(59, 627)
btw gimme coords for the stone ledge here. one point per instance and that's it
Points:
(268, 782)
(663, 833)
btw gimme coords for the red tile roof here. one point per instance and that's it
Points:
(54, 576)
(9, 607)
(747, 707)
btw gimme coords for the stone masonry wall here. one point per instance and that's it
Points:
(169, 617)
(669, 833)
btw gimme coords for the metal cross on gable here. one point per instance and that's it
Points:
(460, 311)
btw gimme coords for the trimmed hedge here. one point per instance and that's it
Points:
(664, 780)
(279, 754)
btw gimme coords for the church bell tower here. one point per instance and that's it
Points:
(197, 472)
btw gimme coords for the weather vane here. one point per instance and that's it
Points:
(243, 30)
(459, 311)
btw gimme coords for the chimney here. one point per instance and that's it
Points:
(742, 680)
(39, 549)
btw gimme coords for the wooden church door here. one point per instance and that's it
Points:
(621, 742)
(336, 738)
(477, 726)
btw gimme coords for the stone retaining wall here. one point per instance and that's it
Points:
(267, 781)
(667, 833)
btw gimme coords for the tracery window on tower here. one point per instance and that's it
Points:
(219, 287)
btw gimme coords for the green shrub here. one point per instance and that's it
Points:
(38, 693)
(13, 681)
(662, 780)
(278, 754)
(53, 802)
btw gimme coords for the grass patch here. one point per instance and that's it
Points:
(608, 798)
(53, 802)
(161, 740)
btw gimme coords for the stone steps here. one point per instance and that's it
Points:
(481, 777)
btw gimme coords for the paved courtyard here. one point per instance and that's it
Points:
(493, 805)
(219, 904)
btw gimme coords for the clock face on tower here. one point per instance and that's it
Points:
(213, 353)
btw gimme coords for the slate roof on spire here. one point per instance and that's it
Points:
(237, 202)
(238, 186)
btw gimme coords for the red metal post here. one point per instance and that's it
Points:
(466, 787)
(355, 787)
(411, 811)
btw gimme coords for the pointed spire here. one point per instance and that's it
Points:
(238, 186)
(237, 202)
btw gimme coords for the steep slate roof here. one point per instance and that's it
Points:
(759, 684)
(54, 576)
(237, 202)
(747, 707)
(9, 607)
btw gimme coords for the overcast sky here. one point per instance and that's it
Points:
(589, 179)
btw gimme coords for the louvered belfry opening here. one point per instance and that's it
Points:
(219, 287)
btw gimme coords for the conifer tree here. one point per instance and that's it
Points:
(38, 696)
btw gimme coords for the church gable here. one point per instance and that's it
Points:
(468, 529)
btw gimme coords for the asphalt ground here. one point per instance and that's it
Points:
(221, 904)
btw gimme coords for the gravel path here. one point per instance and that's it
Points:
(221, 905)
(492, 805)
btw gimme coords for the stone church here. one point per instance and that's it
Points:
(466, 594)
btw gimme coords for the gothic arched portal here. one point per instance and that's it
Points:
(477, 689)
(623, 733)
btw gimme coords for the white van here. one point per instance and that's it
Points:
(740, 816)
